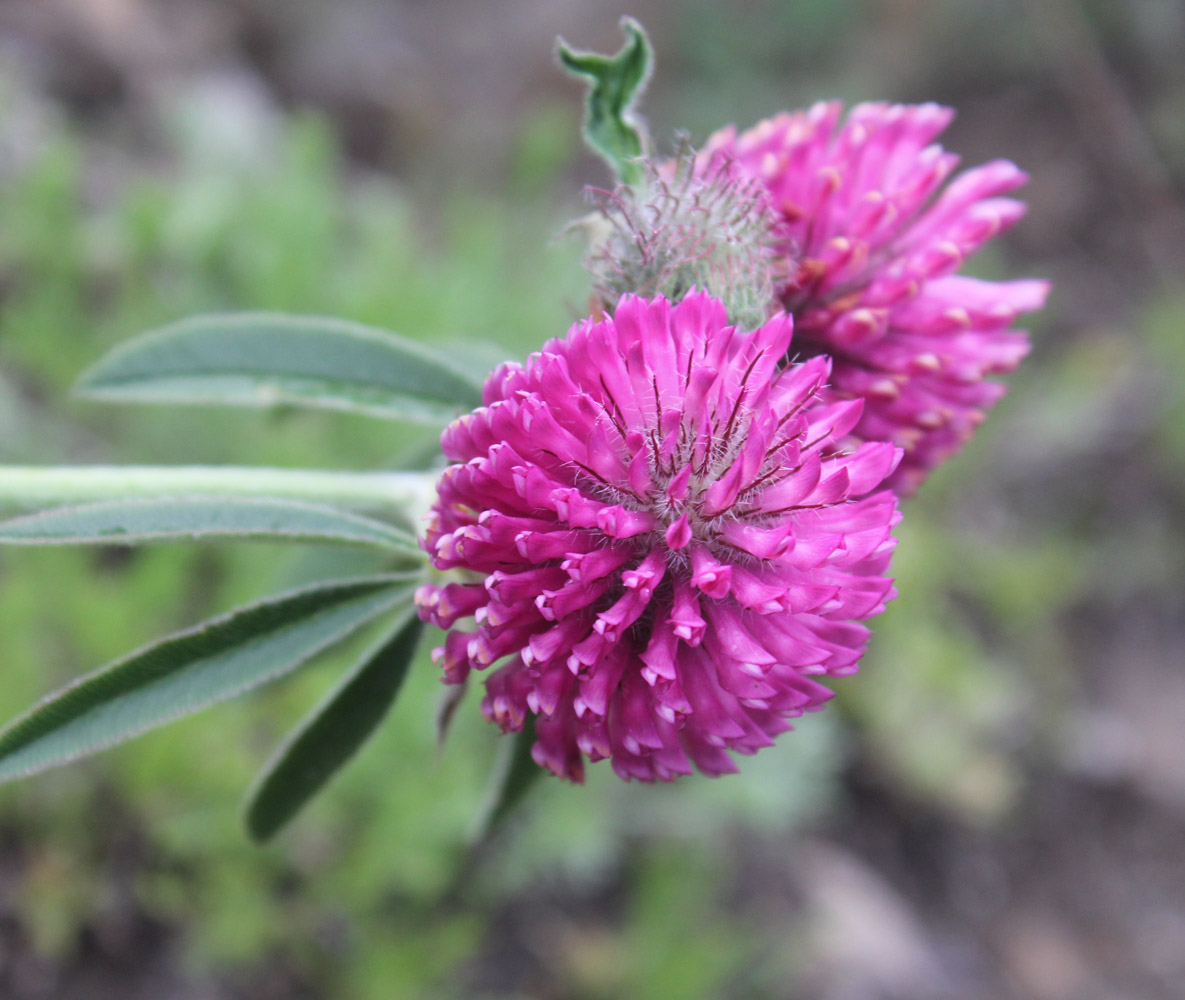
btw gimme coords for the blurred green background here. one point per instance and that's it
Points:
(994, 807)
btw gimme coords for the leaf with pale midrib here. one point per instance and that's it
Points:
(185, 518)
(263, 359)
(182, 673)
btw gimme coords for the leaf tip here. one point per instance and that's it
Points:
(260, 828)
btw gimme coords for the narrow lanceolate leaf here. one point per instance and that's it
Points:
(182, 673)
(446, 708)
(262, 359)
(184, 518)
(514, 774)
(614, 85)
(333, 732)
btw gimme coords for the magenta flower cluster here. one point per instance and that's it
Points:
(666, 547)
(671, 526)
(869, 246)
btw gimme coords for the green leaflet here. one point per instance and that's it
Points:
(515, 773)
(180, 674)
(264, 359)
(446, 708)
(614, 85)
(30, 488)
(185, 518)
(333, 732)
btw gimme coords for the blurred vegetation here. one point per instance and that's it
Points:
(347, 896)
(1052, 542)
(282, 230)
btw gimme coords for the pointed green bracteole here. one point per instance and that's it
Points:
(615, 83)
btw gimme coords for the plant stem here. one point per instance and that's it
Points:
(27, 487)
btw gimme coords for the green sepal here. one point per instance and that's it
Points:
(615, 83)
(333, 732)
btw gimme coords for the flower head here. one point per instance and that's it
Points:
(871, 244)
(663, 546)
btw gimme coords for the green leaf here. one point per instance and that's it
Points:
(264, 359)
(446, 708)
(515, 773)
(184, 518)
(333, 732)
(182, 673)
(615, 83)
